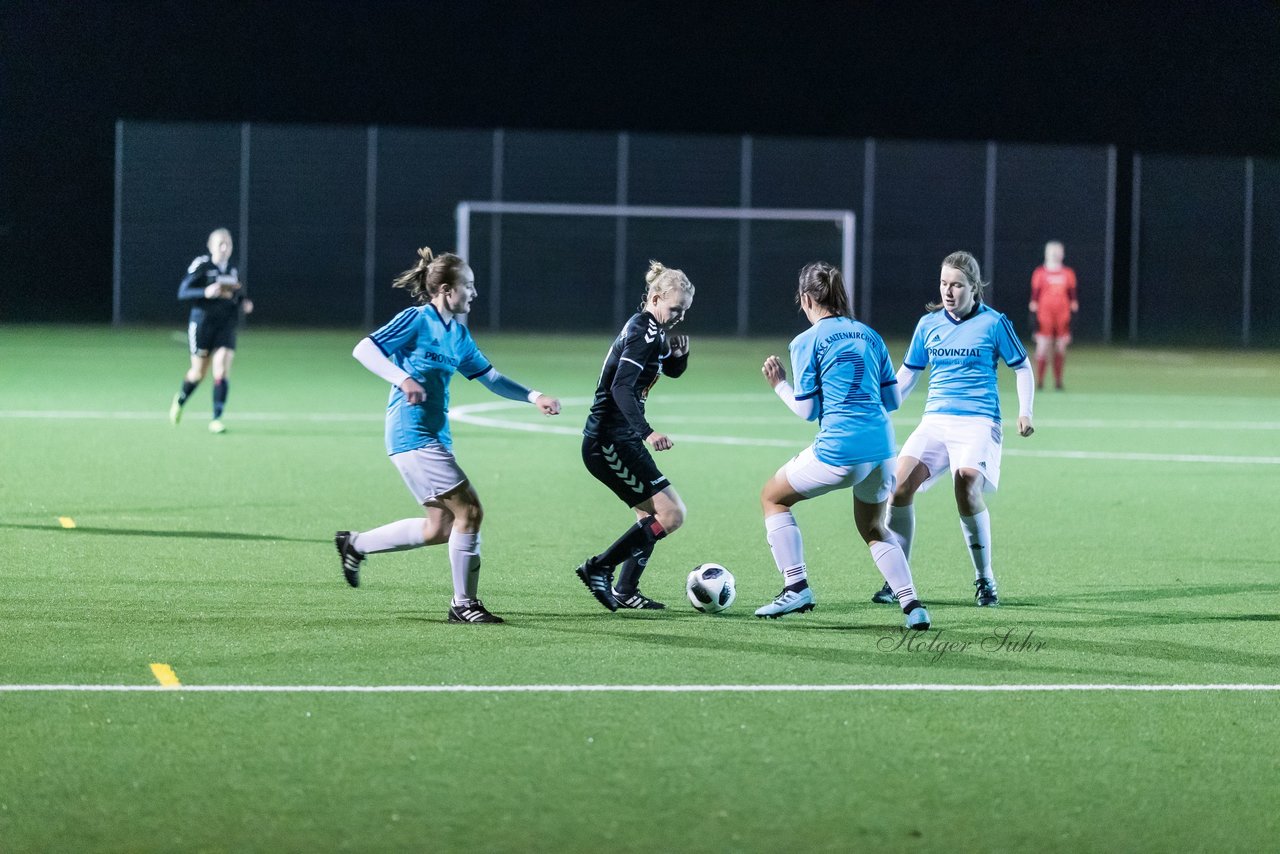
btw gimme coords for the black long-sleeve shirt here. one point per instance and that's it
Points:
(200, 274)
(639, 355)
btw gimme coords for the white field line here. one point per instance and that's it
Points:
(916, 687)
(470, 414)
(162, 418)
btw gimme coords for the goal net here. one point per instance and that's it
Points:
(566, 267)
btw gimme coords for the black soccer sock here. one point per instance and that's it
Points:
(629, 573)
(187, 387)
(219, 396)
(643, 534)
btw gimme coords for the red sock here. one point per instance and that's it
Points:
(1040, 363)
(1059, 359)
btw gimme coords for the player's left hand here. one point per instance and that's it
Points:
(1024, 426)
(548, 405)
(247, 306)
(679, 345)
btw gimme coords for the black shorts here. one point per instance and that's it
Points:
(625, 466)
(209, 334)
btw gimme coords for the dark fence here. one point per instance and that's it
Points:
(325, 217)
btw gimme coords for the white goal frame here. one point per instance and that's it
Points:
(846, 220)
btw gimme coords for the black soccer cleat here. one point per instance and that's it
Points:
(351, 559)
(884, 596)
(472, 611)
(637, 601)
(984, 593)
(599, 581)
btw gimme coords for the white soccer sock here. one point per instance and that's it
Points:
(464, 560)
(902, 521)
(892, 563)
(392, 537)
(787, 546)
(977, 535)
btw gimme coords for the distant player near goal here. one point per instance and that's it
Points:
(961, 341)
(418, 352)
(217, 298)
(613, 444)
(1053, 302)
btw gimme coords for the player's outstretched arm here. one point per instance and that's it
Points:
(504, 386)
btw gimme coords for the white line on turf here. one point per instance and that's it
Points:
(469, 414)
(649, 689)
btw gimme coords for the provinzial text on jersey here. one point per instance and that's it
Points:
(954, 351)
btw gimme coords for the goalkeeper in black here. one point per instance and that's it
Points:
(613, 443)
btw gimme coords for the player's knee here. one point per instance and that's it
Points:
(671, 518)
(969, 489)
(471, 515)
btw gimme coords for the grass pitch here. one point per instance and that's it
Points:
(1134, 545)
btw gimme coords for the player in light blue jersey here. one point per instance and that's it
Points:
(418, 352)
(961, 340)
(844, 381)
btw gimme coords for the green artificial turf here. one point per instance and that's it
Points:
(1134, 542)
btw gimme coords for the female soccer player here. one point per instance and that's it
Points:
(1053, 302)
(844, 381)
(962, 341)
(613, 444)
(418, 353)
(217, 297)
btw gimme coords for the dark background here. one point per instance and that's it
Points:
(1172, 81)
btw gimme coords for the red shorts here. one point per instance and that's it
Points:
(1054, 323)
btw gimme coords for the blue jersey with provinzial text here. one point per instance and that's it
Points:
(430, 350)
(844, 364)
(962, 356)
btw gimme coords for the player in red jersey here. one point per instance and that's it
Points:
(1053, 302)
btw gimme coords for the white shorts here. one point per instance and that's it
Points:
(429, 472)
(872, 482)
(951, 442)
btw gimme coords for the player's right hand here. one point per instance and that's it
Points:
(773, 371)
(414, 393)
(659, 441)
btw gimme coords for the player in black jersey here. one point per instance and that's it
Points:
(613, 444)
(217, 298)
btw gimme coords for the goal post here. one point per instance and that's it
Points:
(844, 220)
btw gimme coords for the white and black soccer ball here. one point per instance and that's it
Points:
(711, 588)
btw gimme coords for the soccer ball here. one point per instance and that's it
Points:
(711, 588)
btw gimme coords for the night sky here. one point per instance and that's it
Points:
(1176, 77)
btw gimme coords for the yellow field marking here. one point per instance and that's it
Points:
(165, 676)
(66, 521)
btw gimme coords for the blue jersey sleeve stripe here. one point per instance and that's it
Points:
(914, 367)
(397, 325)
(1013, 336)
(488, 367)
(806, 395)
(890, 382)
(378, 344)
(1017, 362)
